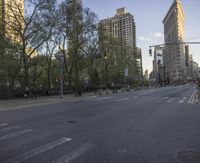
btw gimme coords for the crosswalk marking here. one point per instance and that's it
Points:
(15, 134)
(170, 100)
(26, 156)
(3, 124)
(183, 100)
(8, 128)
(191, 99)
(123, 99)
(24, 142)
(74, 154)
(161, 99)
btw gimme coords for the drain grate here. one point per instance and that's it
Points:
(189, 156)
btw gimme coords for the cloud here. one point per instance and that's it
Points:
(158, 34)
(142, 38)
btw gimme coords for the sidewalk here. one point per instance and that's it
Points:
(46, 100)
(40, 101)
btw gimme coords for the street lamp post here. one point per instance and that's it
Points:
(60, 58)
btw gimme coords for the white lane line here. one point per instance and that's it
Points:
(123, 99)
(12, 135)
(183, 100)
(8, 128)
(74, 154)
(3, 124)
(18, 144)
(26, 156)
(170, 100)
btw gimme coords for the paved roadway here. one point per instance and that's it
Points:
(152, 126)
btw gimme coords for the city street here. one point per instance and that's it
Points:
(147, 126)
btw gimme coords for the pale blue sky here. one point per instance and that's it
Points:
(148, 17)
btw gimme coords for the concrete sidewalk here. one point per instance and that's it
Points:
(40, 101)
(46, 100)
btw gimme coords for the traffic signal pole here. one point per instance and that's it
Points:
(174, 43)
(179, 43)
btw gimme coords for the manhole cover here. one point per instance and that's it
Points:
(71, 121)
(189, 156)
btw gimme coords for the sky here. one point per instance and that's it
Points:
(148, 15)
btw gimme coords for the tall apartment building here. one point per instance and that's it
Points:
(11, 18)
(122, 28)
(175, 60)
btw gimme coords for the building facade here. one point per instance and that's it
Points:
(146, 75)
(11, 19)
(158, 65)
(122, 28)
(175, 59)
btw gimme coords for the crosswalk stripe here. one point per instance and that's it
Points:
(24, 142)
(191, 98)
(183, 100)
(3, 124)
(170, 100)
(161, 99)
(26, 156)
(15, 134)
(8, 128)
(123, 99)
(74, 154)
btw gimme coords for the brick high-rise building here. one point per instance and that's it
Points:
(122, 28)
(11, 18)
(174, 58)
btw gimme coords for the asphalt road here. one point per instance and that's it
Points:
(152, 126)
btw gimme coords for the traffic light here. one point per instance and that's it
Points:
(150, 52)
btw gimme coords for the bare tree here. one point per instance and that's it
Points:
(32, 31)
